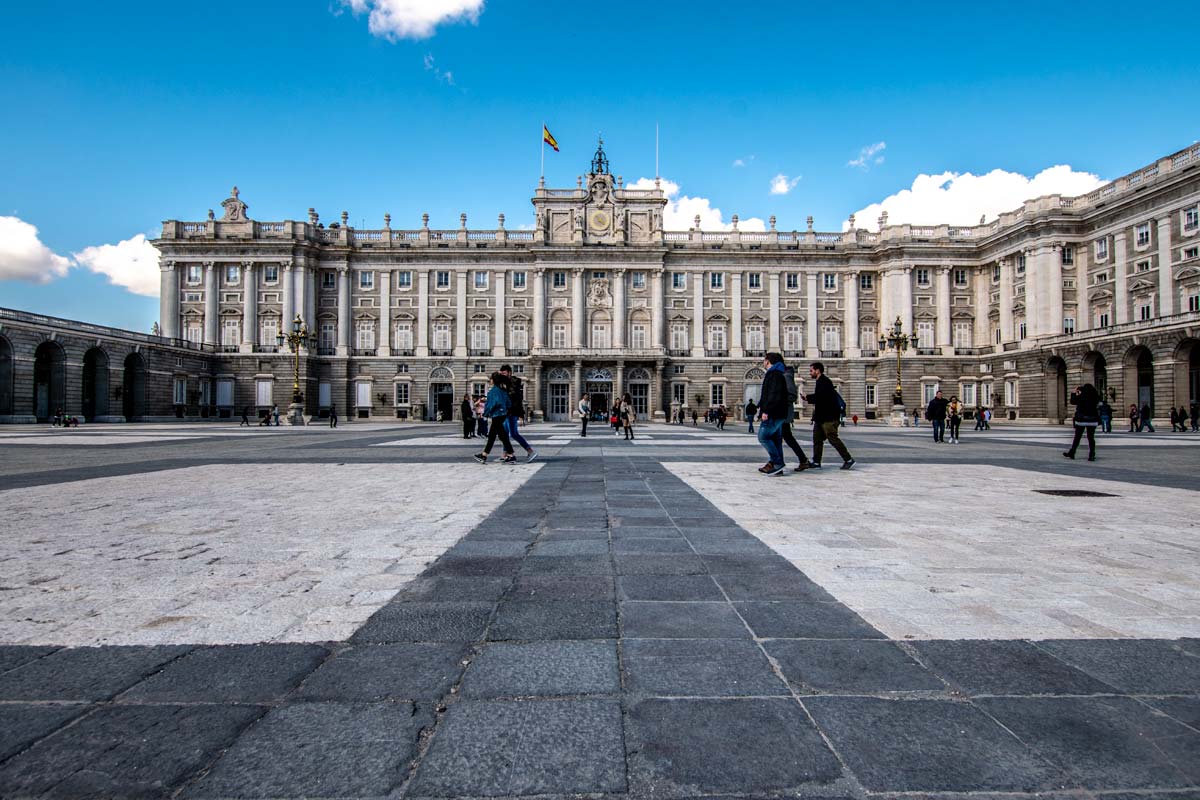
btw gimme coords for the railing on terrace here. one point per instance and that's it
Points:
(75, 326)
(265, 348)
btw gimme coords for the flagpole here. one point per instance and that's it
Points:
(543, 137)
(657, 174)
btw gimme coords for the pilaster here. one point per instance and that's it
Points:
(578, 309)
(211, 306)
(539, 312)
(853, 345)
(249, 307)
(619, 313)
(942, 338)
(812, 345)
(343, 322)
(460, 313)
(499, 345)
(1120, 283)
(698, 315)
(383, 340)
(773, 332)
(735, 338)
(421, 347)
(1166, 286)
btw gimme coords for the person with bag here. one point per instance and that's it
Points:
(516, 396)
(614, 419)
(935, 412)
(585, 413)
(626, 413)
(1085, 398)
(789, 438)
(954, 417)
(827, 410)
(496, 410)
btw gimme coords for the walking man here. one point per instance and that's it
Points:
(332, 415)
(774, 410)
(936, 411)
(1144, 419)
(585, 413)
(466, 410)
(827, 410)
(516, 395)
(245, 417)
(275, 414)
(793, 391)
(751, 411)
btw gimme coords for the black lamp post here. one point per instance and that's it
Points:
(897, 340)
(299, 336)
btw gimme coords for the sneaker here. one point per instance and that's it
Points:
(814, 465)
(481, 458)
(775, 470)
(802, 466)
(848, 464)
(1068, 454)
(765, 469)
(509, 459)
(532, 455)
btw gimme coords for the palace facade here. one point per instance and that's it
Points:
(598, 297)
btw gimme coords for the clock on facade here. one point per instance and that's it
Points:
(598, 220)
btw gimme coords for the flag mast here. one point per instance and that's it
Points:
(543, 137)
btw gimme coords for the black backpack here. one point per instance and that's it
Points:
(789, 377)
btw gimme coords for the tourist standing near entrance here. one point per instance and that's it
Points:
(275, 414)
(954, 417)
(585, 413)
(774, 410)
(827, 410)
(1105, 411)
(751, 412)
(332, 415)
(496, 409)
(625, 412)
(516, 396)
(466, 410)
(722, 415)
(935, 412)
(1085, 398)
(793, 392)
(481, 426)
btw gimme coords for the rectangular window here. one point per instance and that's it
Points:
(967, 392)
(922, 277)
(1143, 266)
(402, 368)
(1068, 324)
(1102, 319)
(1191, 252)
(716, 337)
(480, 335)
(637, 336)
(678, 280)
(328, 280)
(792, 281)
(1021, 264)
(638, 280)
(233, 273)
(478, 389)
(180, 394)
(442, 279)
(679, 393)
(271, 273)
(1101, 249)
(600, 335)
(1101, 277)
(402, 393)
(996, 335)
(717, 369)
(867, 339)
(324, 394)
(928, 390)
(193, 273)
(985, 395)
(831, 338)
(1021, 329)
(996, 274)
(829, 281)
(225, 392)
(793, 339)
(364, 334)
(262, 391)
(754, 280)
(925, 332)
(1142, 234)
(267, 331)
(1010, 393)
(560, 280)
(1144, 312)
(518, 280)
(328, 337)
(1191, 218)
(677, 369)
(362, 394)
(231, 333)
(1193, 302)
(716, 280)
(1068, 256)
(756, 341)
(960, 277)
(403, 339)
(481, 279)
(404, 279)
(366, 280)
(962, 335)
(597, 276)
(558, 335)
(518, 337)
(866, 281)
(870, 395)
(716, 394)
(441, 337)
(679, 340)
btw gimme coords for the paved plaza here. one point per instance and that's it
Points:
(213, 612)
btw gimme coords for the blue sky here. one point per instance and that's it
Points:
(123, 115)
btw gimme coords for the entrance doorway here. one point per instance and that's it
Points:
(95, 384)
(441, 400)
(6, 377)
(1145, 379)
(560, 402)
(1056, 390)
(49, 378)
(639, 392)
(598, 382)
(133, 388)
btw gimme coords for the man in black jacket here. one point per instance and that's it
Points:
(774, 410)
(827, 413)
(936, 413)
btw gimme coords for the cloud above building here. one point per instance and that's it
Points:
(955, 198)
(131, 264)
(23, 256)
(782, 184)
(413, 19)
(681, 210)
(871, 154)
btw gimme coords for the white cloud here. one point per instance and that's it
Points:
(446, 76)
(413, 19)
(681, 210)
(23, 257)
(132, 264)
(741, 162)
(871, 154)
(953, 198)
(782, 184)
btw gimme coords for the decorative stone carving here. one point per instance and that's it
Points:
(598, 295)
(235, 209)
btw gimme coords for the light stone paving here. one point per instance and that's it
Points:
(229, 553)
(928, 551)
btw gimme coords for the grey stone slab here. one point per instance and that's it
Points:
(549, 587)
(240, 673)
(449, 590)
(744, 546)
(378, 672)
(426, 622)
(749, 565)
(792, 585)
(473, 566)
(471, 547)
(319, 750)
(1005, 667)
(850, 666)
(1181, 709)
(126, 751)
(1104, 742)
(665, 531)
(688, 747)
(698, 668)
(21, 724)
(543, 669)
(669, 587)
(799, 619)
(691, 620)
(521, 747)
(555, 619)
(85, 673)
(15, 655)
(652, 564)
(1137, 666)
(571, 547)
(640, 520)
(567, 565)
(927, 746)
(665, 545)
(575, 534)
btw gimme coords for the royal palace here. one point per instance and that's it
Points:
(598, 297)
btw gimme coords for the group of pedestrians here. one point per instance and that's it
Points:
(943, 413)
(774, 411)
(1180, 417)
(621, 416)
(502, 409)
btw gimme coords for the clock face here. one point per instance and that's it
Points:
(598, 220)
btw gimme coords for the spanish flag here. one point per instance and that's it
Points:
(549, 139)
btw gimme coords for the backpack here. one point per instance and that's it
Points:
(789, 377)
(841, 403)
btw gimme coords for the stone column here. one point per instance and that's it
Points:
(538, 412)
(576, 388)
(168, 300)
(657, 309)
(1083, 311)
(618, 331)
(698, 315)
(310, 296)
(289, 296)
(982, 306)
(813, 349)
(301, 286)
(735, 334)
(539, 309)
(343, 298)
(1006, 301)
(1166, 286)
(942, 332)
(500, 345)
(460, 314)
(773, 332)
(578, 310)
(1120, 284)
(853, 345)
(618, 385)
(1051, 316)
(249, 307)
(383, 340)
(421, 346)
(906, 299)
(211, 306)
(886, 314)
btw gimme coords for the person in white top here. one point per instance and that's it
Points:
(585, 412)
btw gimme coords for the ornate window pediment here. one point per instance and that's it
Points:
(558, 375)
(441, 374)
(754, 374)
(638, 374)
(598, 374)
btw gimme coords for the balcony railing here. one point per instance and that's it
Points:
(929, 351)
(446, 352)
(678, 353)
(756, 353)
(716, 353)
(517, 352)
(326, 351)
(402, 352)
(479, 351)
(870, 352)
(363, 351)
(793, 354)
(229, 348)
(266, 348)
(831, 354)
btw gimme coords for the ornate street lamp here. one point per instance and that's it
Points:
(299, 336)
(897, 340)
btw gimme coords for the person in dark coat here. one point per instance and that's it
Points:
(245, 417)
(466, 410)
(773, 410)
(1106, 413)
(333, 415)
(1195, 412)
(1144, 419)
(751, 413)
(935, 412)
(1086, 400)
(827, 414)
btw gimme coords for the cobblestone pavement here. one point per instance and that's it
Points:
(646, 619)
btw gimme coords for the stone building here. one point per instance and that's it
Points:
(598, 297)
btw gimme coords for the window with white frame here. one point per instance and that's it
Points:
(1010, 393)
(638, 280)
(996, 274)
(559, 280)
(366, 279)
(518, 336)
(1101, 249)
(716, 394)
(1141, 234)
(867, 339)
(716, 337)
(1100, 277)
(1145, 311)
(194, 275)
(922, 276)
(928, 390)
(402, 339)
(1191, 218)
(1102, 319)
(205, 392)
(478, 389)
(329, 280)
(1142, 266)
(1021, 264)
(362, 394)
(679, 336)
(679, 393)
(962, 335)
(793, 338)
(1068, 324)
(598, 276)
(829, 281)
(678, 280)
(403, 388)
(925, 331)
(271, 273)
(481, 279)
(869, 395)
(866, 281)
(364, 334)
(985, 395)
(754, 281)
(1193, 301)
(996, 334)
(225, 392)
(441, 279)
(558, 335)
(678, 369)
(179, 396)
(1191, 252)
(327, 337)
(967, 392)
(600, 335)
(1068, 256)
(960, 277)
(716, 280)
(831, 337)
(233, 273)
(1021, 329)
(637, 336)
(756, 341)
(480, 336)
(792, 281)
(441, 336)
(404, 279)
(518, 280)
(268, 330)
(231, 332)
